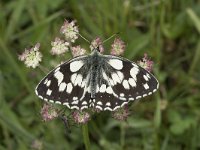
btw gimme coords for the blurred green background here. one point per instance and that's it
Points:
(168, 30)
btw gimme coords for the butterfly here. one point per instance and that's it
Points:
(104, 82)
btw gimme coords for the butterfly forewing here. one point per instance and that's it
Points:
(65, 84)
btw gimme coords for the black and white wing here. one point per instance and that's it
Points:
(66, 84)
(122, 81)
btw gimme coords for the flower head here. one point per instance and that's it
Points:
(37, 145)
(48, 112)
(77, 51)
(118, 47)
(97, 43)
(32, 56)
(81, 117)
(70, 31)
(121, 114)
(146, 63)
(59, 46)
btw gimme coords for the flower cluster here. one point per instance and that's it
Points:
(81, 117)
(59, 46)
(70, 31)
(97, 43)
(146, 63)
(121, 114)
(37, 145)
(77, 51)
(48, 112)
(118, 47)
(32, 56)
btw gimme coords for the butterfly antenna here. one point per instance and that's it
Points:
(111, 37)
(84, 38)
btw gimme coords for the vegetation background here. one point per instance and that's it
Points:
(168, 30)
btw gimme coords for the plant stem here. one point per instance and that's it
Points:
(86, 136)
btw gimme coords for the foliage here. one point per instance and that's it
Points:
(167, 30)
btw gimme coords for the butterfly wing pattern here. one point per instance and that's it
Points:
(126, 82)
(99, 81)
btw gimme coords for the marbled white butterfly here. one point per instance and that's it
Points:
(99, 81)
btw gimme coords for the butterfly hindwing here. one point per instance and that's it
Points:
(126, 81)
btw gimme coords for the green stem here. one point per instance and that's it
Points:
(122, 136)
(86, 136)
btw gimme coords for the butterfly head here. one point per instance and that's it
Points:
(96, 50)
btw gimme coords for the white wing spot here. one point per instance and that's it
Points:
(78, 80)
(48, 83)
(36, 92)
(133, 72)
(75, 98)
(135, 65)
(109, 90)
(107, 108)
(97, 88)
(57, 69)
(49, 92)
(144, 95)
(108, 104)
(122, 94)
(124, 103)
(62, 86)
(75, 107)
(89, 89)
(83, 83)
(132, 82)
(125, 84)
(116, 64)
(116, 107)
(58, 102)
(46, 80)
(84, 103)
(138, 97)
(146, 86)
(131, 99)
(75, 102)
(120, 75)
(99, 107)
(104, 75)
(112, 83)
(76, 65)
(66, 104)
(148, 75)
(115, 78)
(59, 76)
(73, 78)
(102, 88)
(99, 103)
(51, 101)
(69, 88)
(145, 77)
(84, 107)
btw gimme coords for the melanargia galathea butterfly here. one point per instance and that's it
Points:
(99, 81)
